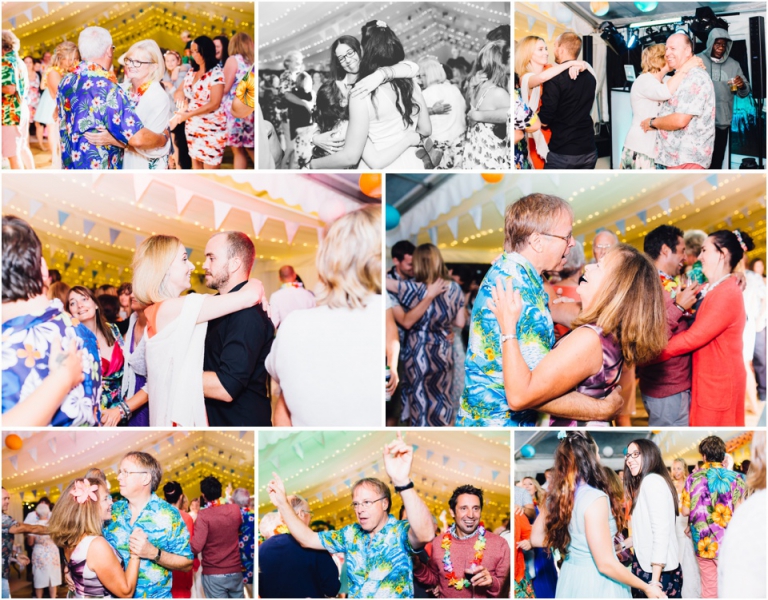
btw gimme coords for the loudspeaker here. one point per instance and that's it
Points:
(586, 49)
(757, 55)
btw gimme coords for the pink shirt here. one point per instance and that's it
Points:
(287, 299)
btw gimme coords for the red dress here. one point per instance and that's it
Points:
(719, 376)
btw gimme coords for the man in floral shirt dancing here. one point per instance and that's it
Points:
(90, 101)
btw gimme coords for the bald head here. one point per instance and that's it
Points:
(287, 274)
(679, 49)
(603, 242)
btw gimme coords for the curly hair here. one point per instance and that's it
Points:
(576, 463)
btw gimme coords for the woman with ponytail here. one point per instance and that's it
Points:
(580, 521)
(715, 338)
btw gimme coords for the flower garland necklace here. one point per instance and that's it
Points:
(453, 579)
(136, 95)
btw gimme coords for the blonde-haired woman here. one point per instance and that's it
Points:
(144, 70)
(328, 359)
(176, 328)
(648, 92)
(447, 111)
(76, 526)
(485, 147)
(623, 319)
(239, 131)
(427, 355)
(533, 68)
(64, 58)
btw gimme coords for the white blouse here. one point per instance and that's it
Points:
(646, 97)
(155, 111)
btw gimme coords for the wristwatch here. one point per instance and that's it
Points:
(159, 552)
(402, 488)
(505, 337)
(650, 123)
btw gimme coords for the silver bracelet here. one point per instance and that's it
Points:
(505, 337)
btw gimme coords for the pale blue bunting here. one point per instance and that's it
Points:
(87, 226)
(63, 216)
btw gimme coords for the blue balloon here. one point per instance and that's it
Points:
(528, 451)
(646, 6)
(393, 217)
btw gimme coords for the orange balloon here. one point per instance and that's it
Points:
(370, 184)
(14, 442)
(493, 177)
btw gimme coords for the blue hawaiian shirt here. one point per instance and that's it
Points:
(246, 542)
(26, 347)
(165, 530)
(484, 403)
(378, 565)
(87, 100)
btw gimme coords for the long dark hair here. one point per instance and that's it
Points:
(331, 108)
(382, 48)
(575, 462)
(224, 48)
(337, 71)
(207, 50)
(652, 462)
(101, 322)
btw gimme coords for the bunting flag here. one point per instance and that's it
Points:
(157, 448)
(429, 454)
(688, 193)
(94, 273)
(361, 475)
(321, 439)
(33, 453)
(643, 216)
(140, 184)
(34, 493)
(28, 14)
(494, 475)
(531, 22)
(462, 465)
(88, 226)
(333, 489)
(376, 467)
(348, 482)
(298, 450)
(622, 225)
(580, 239)
(500, 203)
(525, 185)
(34, 206)
(433, 235)
(8, 195)
(712, 180)
(14, 462)
(761, 201)
(44, 6)
(113, 233)
(446, 459)
(13, 26)
(80, 270)
(550, 30)
(189, 252)
(63, 216)
(242, 434)
(52, 445)
(478, 469)
(139, 239)
(415, 447)
(319, 496)
(664, 205)
(220, 212)
(290, 230)
(61, 487)
(729, 221)
(258, 222)
(183, 196)
(171, 440)
(453, 225)
(476, 212)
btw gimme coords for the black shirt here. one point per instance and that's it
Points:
(236, 346)
(291, 571)
(566, 105)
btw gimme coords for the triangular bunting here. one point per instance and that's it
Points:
(429, 454)
(348, 482)
(550, 30)
(433, 235)
(500, 203)
(140, 184)
(712, 180)
(290, 230)
(189, 252)
(258, 222)
(139, 239)
(643, 216)
(14, 462)
(446, 459)
(494, 475)
(664, 205)
(453, 225)
(113, 233)
(688, 193)
(183, 196)
(298, 450)
(220, 212)
(33, 453)
(531, 22)
(88, 226)
(476, 212)
(63, 216)
(52, 445)
(34, 206)
(622, 225)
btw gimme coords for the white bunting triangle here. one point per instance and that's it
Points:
(183, 196)
(140, 185)
(220, 212)
(290, 230)
(258, 222)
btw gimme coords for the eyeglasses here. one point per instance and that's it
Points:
(347, 57)
(135, 64)
(366, 504)
(566, 238)
(123, 472)
(603, 246)
(634, 456)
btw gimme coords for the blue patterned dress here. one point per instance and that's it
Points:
(428, 357)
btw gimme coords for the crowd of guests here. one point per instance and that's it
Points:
(149, 353)
(672, 531)
(678, 122)
(379, 555)
(150, 108)
(555, 341)
(137, 545)
(373, 109)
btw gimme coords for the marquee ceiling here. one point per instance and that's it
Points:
(322, 467)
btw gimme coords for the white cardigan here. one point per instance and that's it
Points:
(653, 525)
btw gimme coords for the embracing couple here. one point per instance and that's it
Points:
(515, 373)
(205, 353)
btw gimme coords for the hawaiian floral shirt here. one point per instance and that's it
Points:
(89, 98)
(14, 73)
(711, 494)
(484, 403)
(26, 346)
(8, 522)
(524, 118)
(246, 543)
(165, 529)
(378, 565)
(245, 91)
(695, 142)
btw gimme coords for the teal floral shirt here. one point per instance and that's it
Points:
(165, 530)
(484, 403)
(379, 565)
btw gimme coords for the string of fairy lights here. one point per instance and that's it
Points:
(186, 457)
(330, 500)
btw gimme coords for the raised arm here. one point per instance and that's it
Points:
(300, 532)
(536, 79)
(402, 70)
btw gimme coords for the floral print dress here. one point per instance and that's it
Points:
(483, 148)
(206, 134)
(239, 131)
(711, 494)
(524, 118)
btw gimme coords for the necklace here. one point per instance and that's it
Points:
(139, 92)
(453, 579)
(280, 529)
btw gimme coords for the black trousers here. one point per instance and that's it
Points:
(721, 143)
(180, 139)
(571, 161)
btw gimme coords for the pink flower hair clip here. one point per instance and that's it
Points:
(83, 490)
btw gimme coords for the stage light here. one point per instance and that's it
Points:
(599, 8)
(632, 40)
(646, 6)
(704, 21)
(612, 37)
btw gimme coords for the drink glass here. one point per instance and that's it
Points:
(469, 572)
(734, 87)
